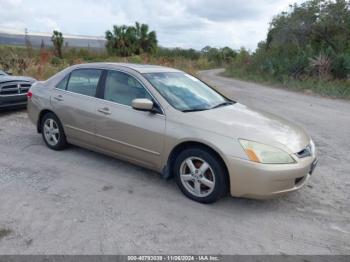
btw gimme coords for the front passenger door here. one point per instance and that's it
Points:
(134, 135)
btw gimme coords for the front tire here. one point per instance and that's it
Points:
(52, 132)
(200, 175)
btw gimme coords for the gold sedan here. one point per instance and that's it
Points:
(173, 123)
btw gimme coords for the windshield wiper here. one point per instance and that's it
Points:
(226, 103)
(194, 110)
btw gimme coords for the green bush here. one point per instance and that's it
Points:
(308, 46)
(56, 61)
(341, 66)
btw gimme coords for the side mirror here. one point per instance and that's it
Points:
(142, 104)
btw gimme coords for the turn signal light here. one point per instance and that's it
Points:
(252, 156)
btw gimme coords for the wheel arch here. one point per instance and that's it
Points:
(40, 118)
(188, 144)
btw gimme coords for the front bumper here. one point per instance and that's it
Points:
(11, 101)
(259, 181)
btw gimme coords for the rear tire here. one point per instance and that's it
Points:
(200, 175)
(52, 132)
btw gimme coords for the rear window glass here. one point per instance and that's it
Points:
(84, 81)
(63, 83)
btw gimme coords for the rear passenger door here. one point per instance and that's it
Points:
(74, 101)
(121, 130)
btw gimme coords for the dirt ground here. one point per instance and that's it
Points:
(80, 202)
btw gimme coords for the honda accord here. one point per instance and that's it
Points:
(171, 122)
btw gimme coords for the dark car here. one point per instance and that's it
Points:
(13, 90)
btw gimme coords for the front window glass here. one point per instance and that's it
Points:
(84, 81)
(185, 92)
(123, 88)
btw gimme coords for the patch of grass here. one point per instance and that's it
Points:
(330, 88)
(4, 232)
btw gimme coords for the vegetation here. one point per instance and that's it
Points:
(57, 40)
(43, 63)
(306, 48)
(134, 44)
(131, 40)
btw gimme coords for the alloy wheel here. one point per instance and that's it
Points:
(197, 176)
(51, 132)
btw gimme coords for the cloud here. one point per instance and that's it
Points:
(183, 23)
(228, 10)
(7, 3)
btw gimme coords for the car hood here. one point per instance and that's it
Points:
(240, 121)
(16, 78)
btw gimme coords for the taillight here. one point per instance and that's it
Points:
(29, 94)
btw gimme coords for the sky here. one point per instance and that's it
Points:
(178, 23)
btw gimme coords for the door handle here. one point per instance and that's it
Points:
(58, 98)
(104, 110)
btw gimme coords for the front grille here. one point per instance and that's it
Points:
(307, 151)
(14, 88)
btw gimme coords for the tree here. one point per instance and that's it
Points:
(42, 45)
(228, 54)
(57, 40)
(205, 49)
(146, 41)
(128, 40)
(318, 23)
(28, 43)
(321, 64)
(219, 55)
(312, 36)
(121, 41)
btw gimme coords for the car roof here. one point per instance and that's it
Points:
(141, 68)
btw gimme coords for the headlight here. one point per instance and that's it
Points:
(265, 154)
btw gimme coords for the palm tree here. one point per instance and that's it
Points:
(57, 40)
(322, 65)
(128, 40)
(121, 41)
(147, 41)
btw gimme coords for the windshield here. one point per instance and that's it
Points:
(185, 92)
(2, 73)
